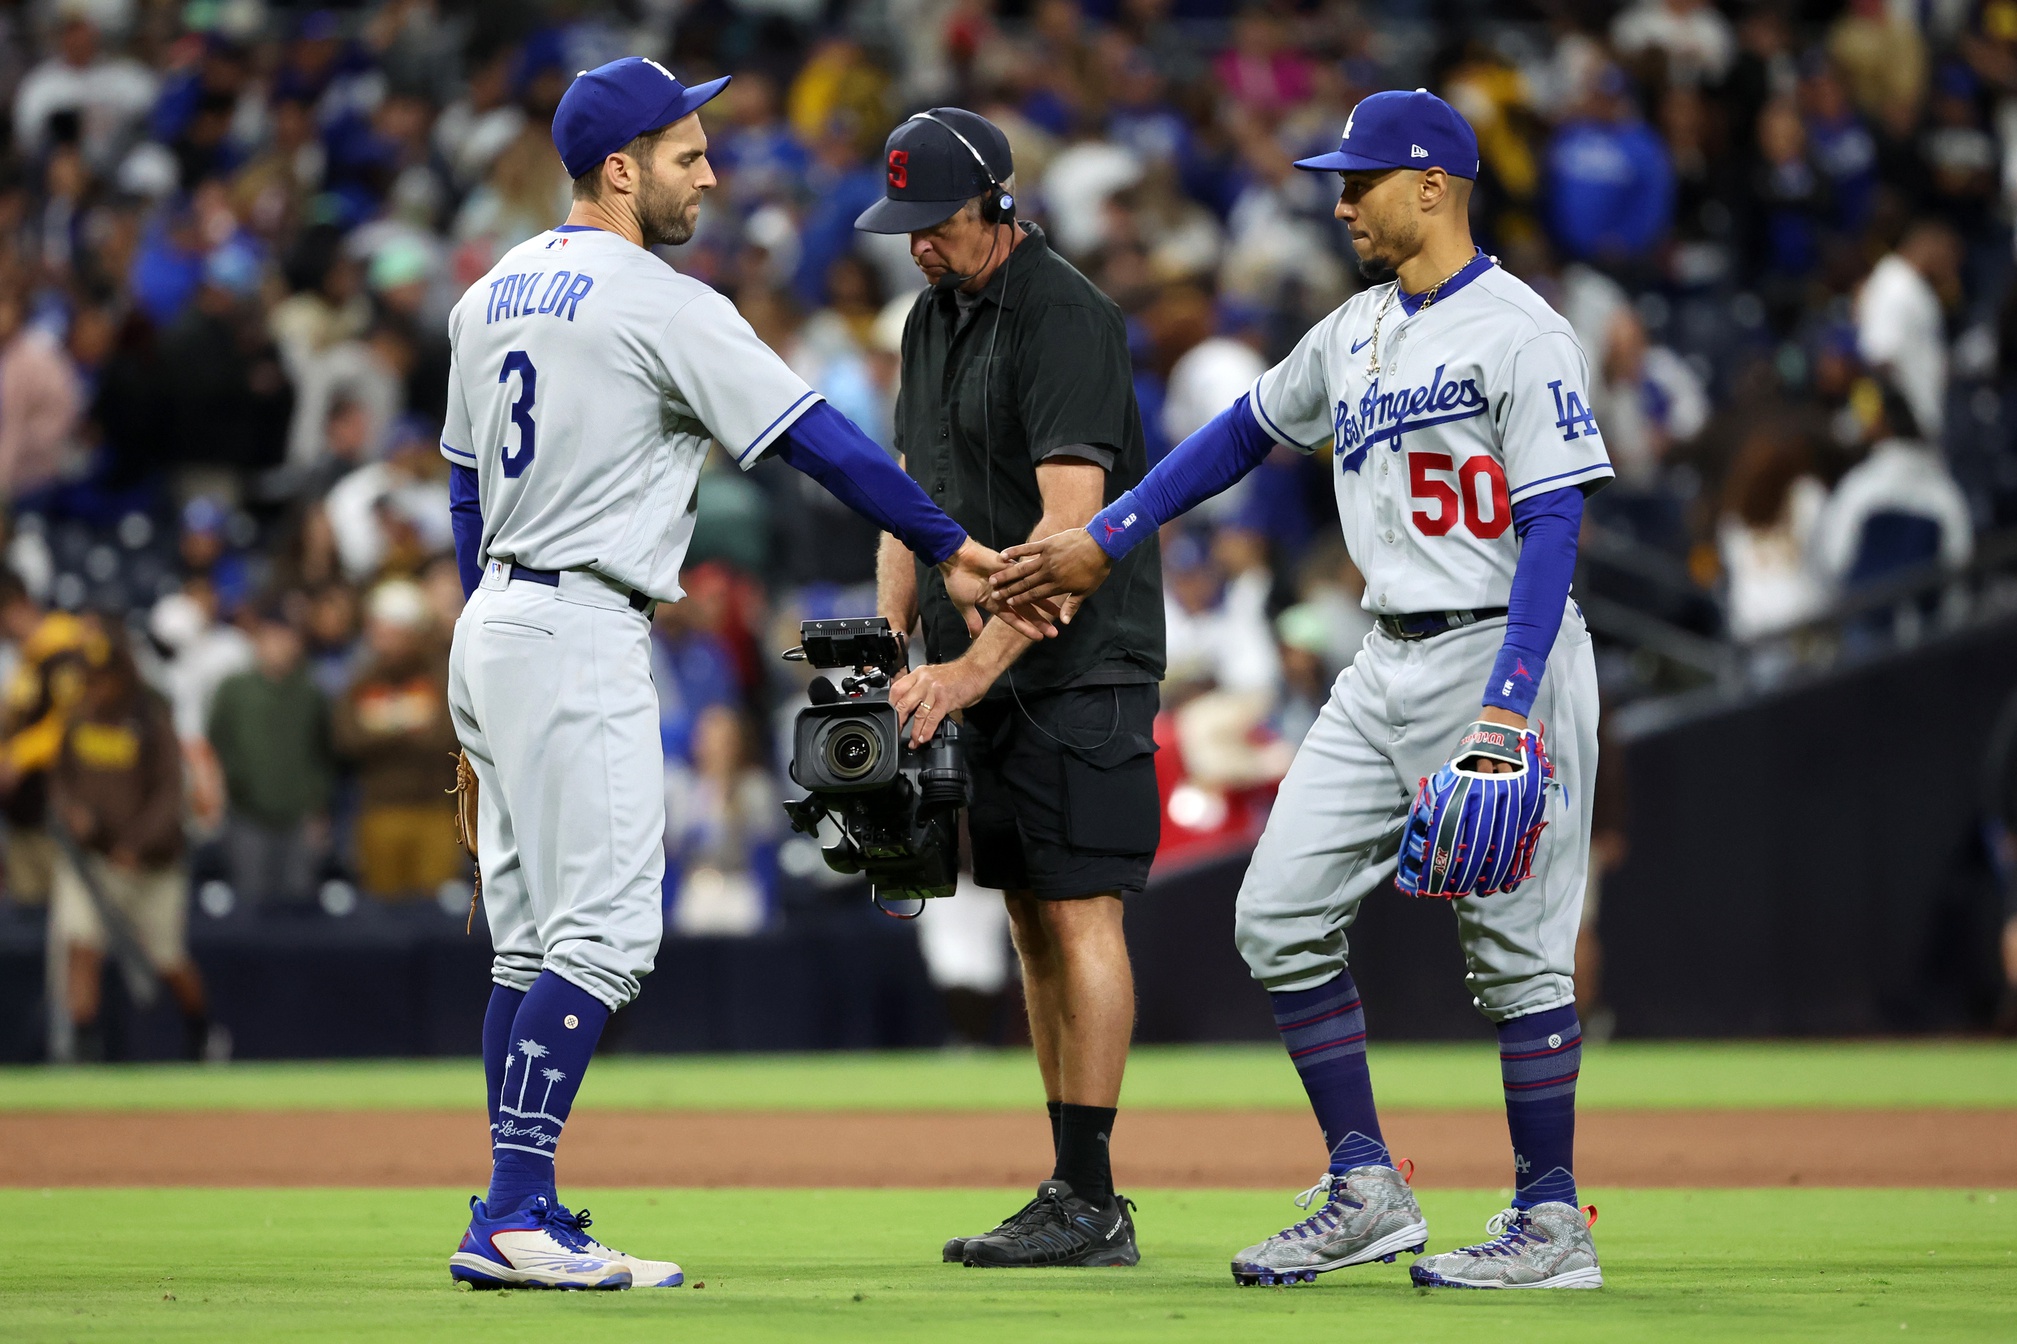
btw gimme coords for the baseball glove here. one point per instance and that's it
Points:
(465, 828)
(1473, 834)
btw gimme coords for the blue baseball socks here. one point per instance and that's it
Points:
(497, 1020)
(1325, 1032)
(546, 1051)
(1539, 1058)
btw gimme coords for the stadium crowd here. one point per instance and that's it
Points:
(230, 232)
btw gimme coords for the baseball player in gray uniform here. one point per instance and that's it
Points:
(1454, 404)
(589, 379)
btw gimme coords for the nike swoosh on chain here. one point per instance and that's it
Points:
(1362, 345)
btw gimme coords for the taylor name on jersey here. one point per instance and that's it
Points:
(1440, 417)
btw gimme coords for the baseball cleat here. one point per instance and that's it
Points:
(1547, 1246)
(643, 1273)
(1369, 1213)
(955, 1250)
(538, 1245)
(1058, 1229)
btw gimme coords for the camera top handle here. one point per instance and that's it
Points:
(865, 643)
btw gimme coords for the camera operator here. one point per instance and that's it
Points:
(1017, 415)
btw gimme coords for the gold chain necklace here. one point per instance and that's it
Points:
(1428, 297)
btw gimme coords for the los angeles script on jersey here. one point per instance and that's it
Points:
(556, 293)
(1386, 415)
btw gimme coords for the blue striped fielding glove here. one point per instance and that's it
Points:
(1473, 834)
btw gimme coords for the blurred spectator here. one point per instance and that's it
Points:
(41, 399)
(1771, 505)
(474, 129)
(1693, 41)
(1895, 511)
(1262, 70)
(270, 730)
(722, 822)
(391, 515)
(116, 790)
(1900, 322)
(965, 942)
(1305, 649)
(1611, 184)
(1883, 57)
(1646, 398)
(693, 671)
(1212, 375)
(1219, 634)
(229, 400)
(53, 652)
(392, 727)
(104, 96)
(200, 653)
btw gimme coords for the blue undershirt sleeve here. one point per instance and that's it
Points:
(465, 516)
(1231, 444)
(1548, 527)
(827, 446)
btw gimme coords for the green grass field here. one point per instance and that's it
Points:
(860, 1265)
(847, 1265)
(1875, 1074)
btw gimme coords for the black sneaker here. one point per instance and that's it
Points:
(955, 1250)
(1058, 1228)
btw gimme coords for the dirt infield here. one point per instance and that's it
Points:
(1260, 1149)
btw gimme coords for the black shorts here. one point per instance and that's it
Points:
(1064, 798)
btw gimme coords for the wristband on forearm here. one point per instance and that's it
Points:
(1231, 444)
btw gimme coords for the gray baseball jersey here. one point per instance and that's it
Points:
(587, 379)
(1440, 418)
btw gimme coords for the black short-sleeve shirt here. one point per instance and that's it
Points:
(1037, 362)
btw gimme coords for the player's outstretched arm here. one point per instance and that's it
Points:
(1074, 563)
(830, 448)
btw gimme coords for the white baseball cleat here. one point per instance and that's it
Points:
(643, 1273)
(539, 1245)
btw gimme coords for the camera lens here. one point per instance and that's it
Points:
(852, 751)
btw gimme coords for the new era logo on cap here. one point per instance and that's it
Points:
(1417, 152)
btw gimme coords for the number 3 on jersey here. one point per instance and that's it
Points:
(1480, 486)
(520, 363)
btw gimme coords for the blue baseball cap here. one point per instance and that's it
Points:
(1402, 130)
(606, 108)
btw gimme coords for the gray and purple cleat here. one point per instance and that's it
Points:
(1369, 1213)
(1546, 1246)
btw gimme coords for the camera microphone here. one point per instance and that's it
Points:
(822, 692)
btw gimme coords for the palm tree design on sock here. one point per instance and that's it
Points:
(531, 1050)
(552, 1076)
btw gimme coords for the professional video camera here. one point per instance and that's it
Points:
(896, 807)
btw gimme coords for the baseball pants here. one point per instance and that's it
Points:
(552, 697)
(1393, 718)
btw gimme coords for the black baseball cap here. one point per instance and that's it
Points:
(928, 174)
